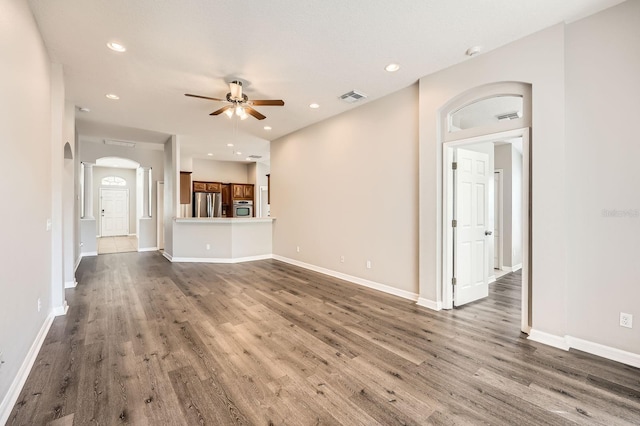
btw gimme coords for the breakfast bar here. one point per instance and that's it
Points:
(222, 240)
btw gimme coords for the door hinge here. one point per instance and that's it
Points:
(454, 223)
(454, 281)
(454, 165)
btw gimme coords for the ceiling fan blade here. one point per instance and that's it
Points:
(221, 110)
(255, 113)
(203, 97)
(267, 102)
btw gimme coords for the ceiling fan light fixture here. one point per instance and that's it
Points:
(229, 112)
(240, 111)
(244, 116)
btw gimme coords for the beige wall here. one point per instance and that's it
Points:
(26, 165)
(348, 187)
(219, 171)
(603, 92)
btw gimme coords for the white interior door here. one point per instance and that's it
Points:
(114, 211)
(471, 214)
(160, 215)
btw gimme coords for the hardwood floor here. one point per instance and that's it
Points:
(147, 342)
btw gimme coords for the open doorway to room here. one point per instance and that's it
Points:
(486, 198)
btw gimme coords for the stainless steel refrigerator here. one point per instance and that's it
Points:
(207, 204)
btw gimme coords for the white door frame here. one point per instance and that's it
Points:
(447, 216)
(126, 190)
(160, 215)
(499, 196)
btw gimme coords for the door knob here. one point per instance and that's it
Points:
(488, 232)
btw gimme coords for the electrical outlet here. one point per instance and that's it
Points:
(39, 304)
(48, 224)
(1, 360)
(208, 246)
(368, 264)
(341, 259)
(626, 320)
(298, 249)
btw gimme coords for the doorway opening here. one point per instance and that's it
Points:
(474, 213)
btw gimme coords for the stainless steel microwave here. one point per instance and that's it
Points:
(242, 208)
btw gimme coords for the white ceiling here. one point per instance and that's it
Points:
(301, 51)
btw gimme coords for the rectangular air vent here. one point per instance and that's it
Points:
(255, 157)
(119, 143)
(509, 116)
(353, 96)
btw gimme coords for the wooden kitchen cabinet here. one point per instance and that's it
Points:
(185, 187)
(199, 187)
(213, 187)
(237, 190)
(248, 192)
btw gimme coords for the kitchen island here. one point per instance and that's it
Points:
(221, 240)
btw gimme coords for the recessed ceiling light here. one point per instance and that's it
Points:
(116, 47)
(248, 159)
(238, 153)
(229, 144)
(314, 106)
(474, 50)
(210, 154)
(392, 67)
(267, 127)
(112, 96)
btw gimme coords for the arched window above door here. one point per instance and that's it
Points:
(487, 109)
(113, 181)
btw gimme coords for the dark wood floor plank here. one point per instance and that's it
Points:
(148, 342)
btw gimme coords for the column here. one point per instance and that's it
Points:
(87, 201)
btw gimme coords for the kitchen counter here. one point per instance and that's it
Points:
(221, 239)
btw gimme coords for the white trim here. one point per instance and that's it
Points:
(61, 310)
(569, 342)
(167, 256)
(71, 284)
(356, 280)
(13, 393)
(88, 253)
(75, 268)
(148, 249)
(219, 259)
(435, 306)
(603, 351)
(500, 173)
(549, 339)
(492, 279)
(513, 268)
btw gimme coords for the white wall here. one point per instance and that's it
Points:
(348, 187)
(219, 171)
(25, 256)
(603, 92)
(171, 190)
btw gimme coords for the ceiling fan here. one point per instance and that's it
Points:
(239, 103)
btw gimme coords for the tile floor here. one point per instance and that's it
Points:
(117, 244)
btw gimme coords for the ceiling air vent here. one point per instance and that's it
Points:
(255, 157)
(353, 96)
(509, 115)
(119, 143)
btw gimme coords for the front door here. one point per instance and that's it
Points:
(471, 214)
(114, 211)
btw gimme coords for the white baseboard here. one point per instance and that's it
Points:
(148, 249)
(75, 268)
(61, 310)
(492, 279)
(89, 253)
(12, 395)
(71, 284)
(513, 268)
(569, 342)
(356, 280)
(435, 306)
(167, 256)
(218, 259)
(549, 339)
